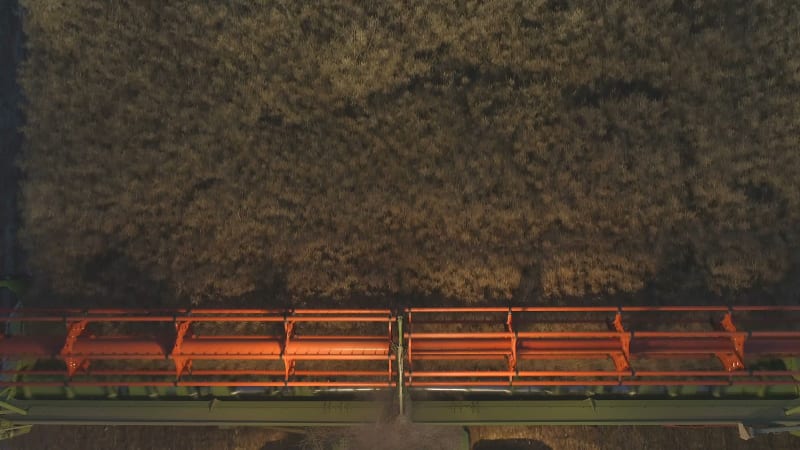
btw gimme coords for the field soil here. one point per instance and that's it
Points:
(483, 438)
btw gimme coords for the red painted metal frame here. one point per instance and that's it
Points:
(630, 337)
(80, 350)
(456, 340)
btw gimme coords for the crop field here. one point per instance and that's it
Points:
(354, 153)
(532, 151)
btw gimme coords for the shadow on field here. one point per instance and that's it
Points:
(511, 444)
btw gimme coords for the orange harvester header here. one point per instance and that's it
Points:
(438, 347)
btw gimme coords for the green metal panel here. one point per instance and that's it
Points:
(309, 413)
(605, 412)
(214, 412)
(80, 392)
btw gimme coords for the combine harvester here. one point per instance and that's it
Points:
(688, 365)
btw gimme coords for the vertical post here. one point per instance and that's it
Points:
(734, 360)
(512, 357)
(400, 360)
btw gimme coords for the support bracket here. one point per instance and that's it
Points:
(74, 330)
(182, 364)
(732, 361)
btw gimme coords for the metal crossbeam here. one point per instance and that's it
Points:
(505, 412)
